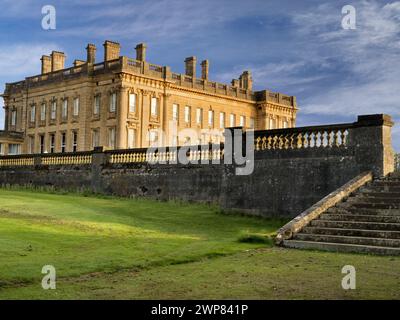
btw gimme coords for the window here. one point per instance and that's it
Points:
(74, 141)
(33, 113)
(131, 138)
(31, 144)
(14, 149)
(252, 123)
(63, 142)
(52, 143)
(53, 114)
(175, 112)
(76, 107)
(132, 102)
(199, 116)
(242, 121)
(232, 120)
(153, 137)
(1, 148)
(13, 117)
(222, 120)
(285, 124)
(96, 109)
(111, 138)
(95, 138)
(41, 138)
(271, 124)
(43, 112)
(64, 112)
(210, 118)
(154, 107)
(113, 102)
(187, 114)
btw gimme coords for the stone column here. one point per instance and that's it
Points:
(7, 117)
(122, 115)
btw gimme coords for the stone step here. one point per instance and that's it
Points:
(366, 205)
(359, 217)
(368, 199)
(375, 212)
(390, 183)
(380, 242)
(340, 247)
(353, 232)
(380, 189)
(381, 194)
(355, 225)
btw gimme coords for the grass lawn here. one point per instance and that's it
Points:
(106, 248)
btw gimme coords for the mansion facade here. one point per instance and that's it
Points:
(123, 103)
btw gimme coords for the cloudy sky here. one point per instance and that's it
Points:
(291, 46)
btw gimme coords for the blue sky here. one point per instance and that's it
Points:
(295, 47)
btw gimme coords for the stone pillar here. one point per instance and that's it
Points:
(6, 117)
(122, 115)
(371, 138)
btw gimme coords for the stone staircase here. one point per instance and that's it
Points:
(368, 221)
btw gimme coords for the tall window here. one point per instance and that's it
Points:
(210, 118)
(13, 117)
(31, 144)
(222, 120)
(111, 138)
(74, 141)
(187, 114)
(153, 137)
(63, 142)
(96, 107)
(76, 107)
(33, 113)
(53, 114)
(42, 147)
(132, 102)
(252, 123)
(1, 148)
(271, 124)
(64, 112)
(175, 112)
(154, 107)
(43, 112)
(199, 116)
(113, 102)
(14, 149)
(131, 138)
(285, 124)
(95, 138)
(232, 120)
(242, 121)
(52, 143)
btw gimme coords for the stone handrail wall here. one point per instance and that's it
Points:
(302, 220)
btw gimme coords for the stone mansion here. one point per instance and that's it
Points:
(124, 103)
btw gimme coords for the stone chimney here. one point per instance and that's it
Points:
(78, 62)
(111, 50)
(57, 61)
(235, 83)
(205, 65)
(246, 81)
(190, 66)
(46, 64)
(141, 52)
(91, 53)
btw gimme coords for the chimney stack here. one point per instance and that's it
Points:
(78, 62)
(205, 65)
(111, 50)
(141, 52)
(57, 61)
(246, 81)
(91, 53)
(46, 64)
(190, 66)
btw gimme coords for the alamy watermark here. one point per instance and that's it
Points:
(49, 18)
(349, 280)
(349, 19)
(49, 280)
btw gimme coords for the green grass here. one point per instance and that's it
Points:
(111, 248)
